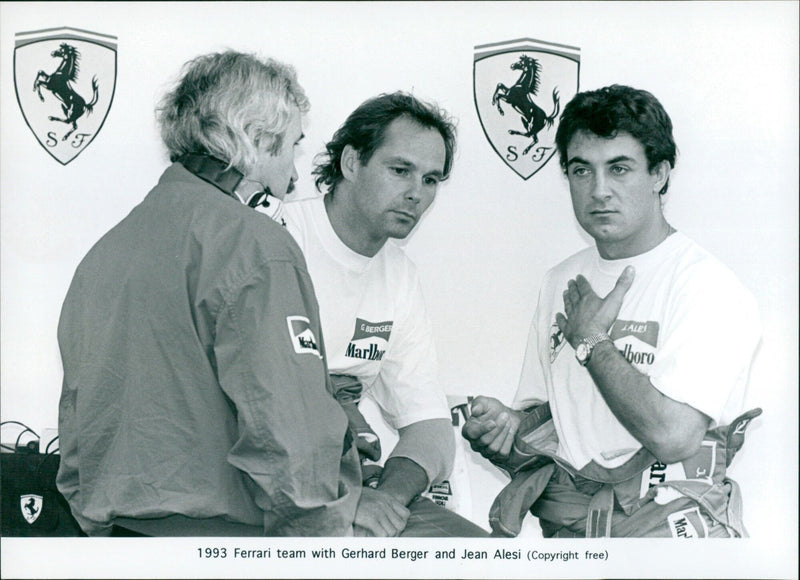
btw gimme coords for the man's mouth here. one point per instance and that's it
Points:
(406, 214)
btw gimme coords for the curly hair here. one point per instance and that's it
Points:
(230, 105)
(607, 111)
(365, 131)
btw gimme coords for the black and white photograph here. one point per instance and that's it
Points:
(399, 289)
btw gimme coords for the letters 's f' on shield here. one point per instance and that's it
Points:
(520, 88)
(65, 80)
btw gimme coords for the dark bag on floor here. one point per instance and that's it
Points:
(31, 503)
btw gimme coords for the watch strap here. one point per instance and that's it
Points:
(590, 342)
(594, 339)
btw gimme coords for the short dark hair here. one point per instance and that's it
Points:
(607, 111)
(365, 130)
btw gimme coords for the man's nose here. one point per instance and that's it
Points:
(600, 187)
(414, 192)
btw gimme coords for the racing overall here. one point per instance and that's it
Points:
(641, 498)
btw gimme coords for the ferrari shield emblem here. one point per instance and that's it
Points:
(65, 80)
(520, 88)
(31, 506)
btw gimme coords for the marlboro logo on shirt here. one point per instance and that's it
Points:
(645, 331)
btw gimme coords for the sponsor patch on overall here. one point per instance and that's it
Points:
(302, 337)
(699, 466)
(441, 494)
(369, 340)
(688, 523)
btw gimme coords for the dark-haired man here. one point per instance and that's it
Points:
(381, 170)
(629, 407)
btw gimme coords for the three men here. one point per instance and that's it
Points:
(629, 406)
(382, 169)
(195, 397)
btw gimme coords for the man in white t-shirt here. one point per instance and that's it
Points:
(629, 407)
(381, 171)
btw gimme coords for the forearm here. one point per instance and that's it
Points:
(403, 479)
(287, 513)
(424, 454)
(430, 444)
(670, 430)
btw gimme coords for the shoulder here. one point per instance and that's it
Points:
(577, 259)
(702, 278)
(397, 261)
(571, 266)
(302, 206)
(303, 211)
(252, 250)
(228, 233)
(263, 240)
(302, 217)
(694, 265)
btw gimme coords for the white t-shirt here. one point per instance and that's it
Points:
(686, 322)
(374, 321)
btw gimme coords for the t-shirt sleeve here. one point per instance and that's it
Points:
(407, 388)
(269, 355)
(708, 344)
(532, 389)
(431, 445)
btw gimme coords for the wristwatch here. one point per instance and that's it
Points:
(583, 351)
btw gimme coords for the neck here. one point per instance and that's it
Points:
(349, 229)
(246, 189)
(628, 248)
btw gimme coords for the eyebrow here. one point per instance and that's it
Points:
(621, 159)
(618, 159)
(577, 160)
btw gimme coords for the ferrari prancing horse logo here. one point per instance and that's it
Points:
(65, 80)
(520, 87)
(31, 507)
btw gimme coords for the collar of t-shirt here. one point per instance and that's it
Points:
(333, 245)
(642, 262)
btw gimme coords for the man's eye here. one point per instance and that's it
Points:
(432, 181)
(619, 170)
(400, 170)
(579, 171)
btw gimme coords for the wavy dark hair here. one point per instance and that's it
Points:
(365, 130)
(607, 111)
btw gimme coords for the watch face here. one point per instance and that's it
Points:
(582, 352)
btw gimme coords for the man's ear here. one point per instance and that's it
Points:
(349, 162)
(661, 173)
